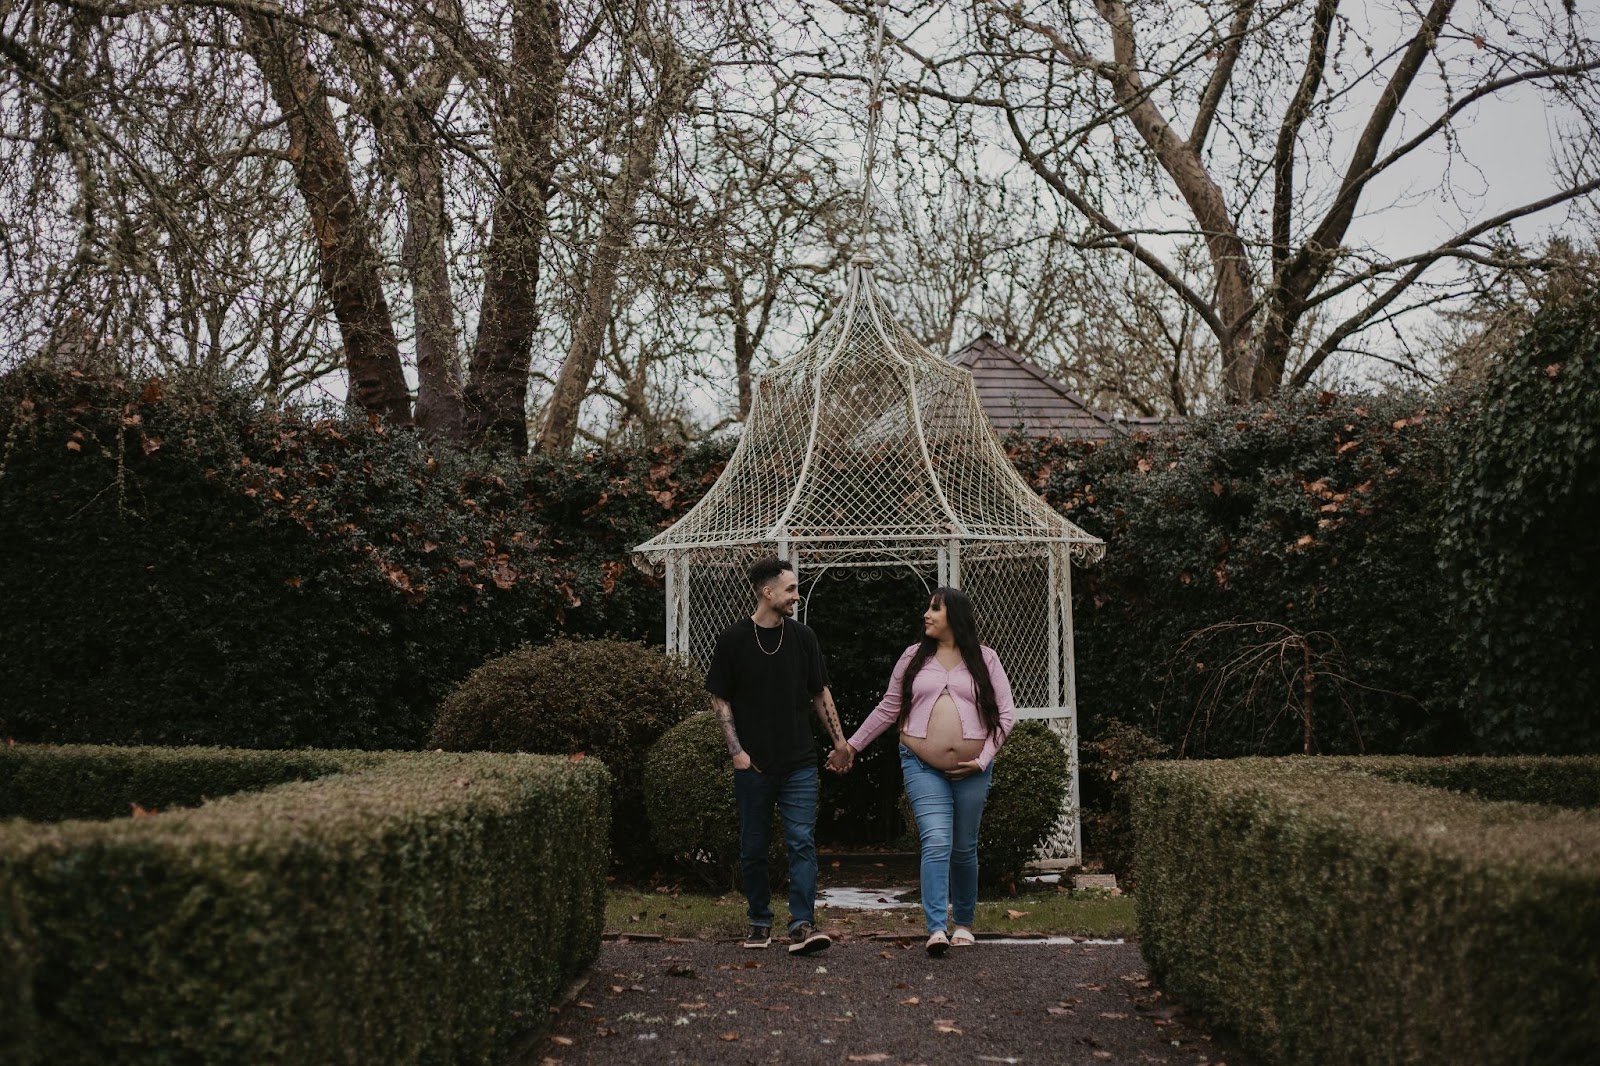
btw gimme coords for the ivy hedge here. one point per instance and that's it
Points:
(367, 908)
(1334, 910)
(1519, 541)
(187, 569)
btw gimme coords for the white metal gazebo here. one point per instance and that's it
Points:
(865, 451)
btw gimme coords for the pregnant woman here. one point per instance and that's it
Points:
(952, 703)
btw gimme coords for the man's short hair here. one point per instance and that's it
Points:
(762, 571)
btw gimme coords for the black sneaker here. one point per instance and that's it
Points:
(760, 936)
(805, 939)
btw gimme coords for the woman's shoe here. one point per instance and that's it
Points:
(938, 943)
(962, 937)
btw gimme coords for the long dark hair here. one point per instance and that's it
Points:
(964, 627)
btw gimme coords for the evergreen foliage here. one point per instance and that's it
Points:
(410, 907)
(1520, 545)
(609, 699)
(1024, 804)
(184, 568)
(1339, 910)
(1318, 513)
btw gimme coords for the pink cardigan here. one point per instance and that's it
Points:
(931, 681)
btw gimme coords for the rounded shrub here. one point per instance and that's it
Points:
(610, 699)
(1030, 779)
(688, 799)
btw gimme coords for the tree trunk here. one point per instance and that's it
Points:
(440, 406)
(1235, 290)
(497, 382)
(677, 82)
(350, 268)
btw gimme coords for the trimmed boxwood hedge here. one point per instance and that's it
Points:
(409, 907)
(1334, 910)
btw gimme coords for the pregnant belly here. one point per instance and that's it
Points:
(944, 746)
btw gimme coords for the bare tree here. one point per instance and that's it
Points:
(1234, 107)
(677, 76)
(1267, 671)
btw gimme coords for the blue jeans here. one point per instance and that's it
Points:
(948, 814)
(795, 794)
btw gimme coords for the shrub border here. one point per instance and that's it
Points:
(1331, 911)
(414, 907)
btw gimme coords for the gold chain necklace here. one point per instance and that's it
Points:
(764, 651)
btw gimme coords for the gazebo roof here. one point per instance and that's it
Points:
(1018, 394)
(865, 446)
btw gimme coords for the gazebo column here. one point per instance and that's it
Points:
(678, 639)
(1063, 848)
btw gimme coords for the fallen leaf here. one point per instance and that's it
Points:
(730, 1036)
(946, 1025)
(910, 1001)
(564, 1041)
(1115, 1016)
(1014, 915)
(1058, 1010)
(874, 1056)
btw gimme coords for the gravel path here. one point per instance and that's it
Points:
(869, 1000)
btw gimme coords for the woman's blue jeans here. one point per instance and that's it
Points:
(795, 794)
(948, 814)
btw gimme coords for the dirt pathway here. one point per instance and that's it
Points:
(873, 1001)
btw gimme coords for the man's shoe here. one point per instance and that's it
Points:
(760, 936)
(804, 939)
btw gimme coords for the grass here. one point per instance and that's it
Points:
(699, 916)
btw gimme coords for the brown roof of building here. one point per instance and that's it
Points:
(1018, 394)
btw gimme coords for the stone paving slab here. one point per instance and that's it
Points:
(873, 1001)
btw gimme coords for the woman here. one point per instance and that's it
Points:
(951, 700)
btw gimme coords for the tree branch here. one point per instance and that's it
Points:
(1211, 98)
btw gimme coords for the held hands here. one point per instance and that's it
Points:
(841, 758)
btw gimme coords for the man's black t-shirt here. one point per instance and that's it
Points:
(769, 684)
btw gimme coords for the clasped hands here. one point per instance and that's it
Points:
(841, 758)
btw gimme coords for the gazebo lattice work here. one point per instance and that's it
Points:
(864, 451)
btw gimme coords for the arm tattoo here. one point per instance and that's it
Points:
(725, 716)
(823, 702)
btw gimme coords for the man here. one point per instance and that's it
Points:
(766, 670)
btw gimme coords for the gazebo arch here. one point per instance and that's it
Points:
(865, 450)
